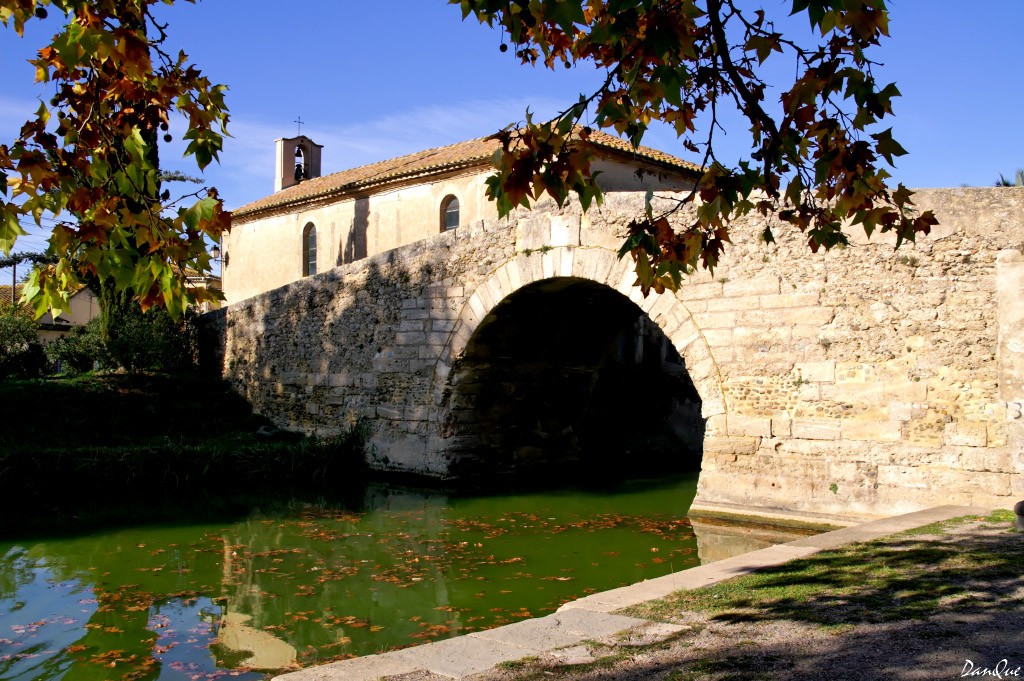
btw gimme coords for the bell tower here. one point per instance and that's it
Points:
(298, 159)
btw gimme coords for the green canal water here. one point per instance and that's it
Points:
(319, 583)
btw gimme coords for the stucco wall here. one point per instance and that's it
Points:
(84, 306)
(267, 252)
(861, 382)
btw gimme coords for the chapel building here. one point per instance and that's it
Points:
(312, 223)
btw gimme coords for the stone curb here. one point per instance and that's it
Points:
(591, 617)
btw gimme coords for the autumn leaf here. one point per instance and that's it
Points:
(680, 63)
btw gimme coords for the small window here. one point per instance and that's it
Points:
(449, 213)
(309, 250)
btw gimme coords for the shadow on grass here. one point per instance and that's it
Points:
(902, 579)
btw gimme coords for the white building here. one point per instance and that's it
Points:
(312, 223)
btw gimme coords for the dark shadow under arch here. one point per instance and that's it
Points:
(568, 377)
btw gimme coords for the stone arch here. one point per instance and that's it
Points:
(594, 264)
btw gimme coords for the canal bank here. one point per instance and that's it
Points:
(593, 618)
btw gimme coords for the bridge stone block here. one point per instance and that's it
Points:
(759, 286)
(716, 320)
(757, 426)
(735, 304)
(476, 309)
(814, 316)
(661, 309)
(504, 277)
(624, 279)
(533, 233)
(816, 429)
(717, 425)
(431, 351)
(548, 266)
(416, 313)
(531, 267)
(683, 337)
(442, 369)
(817, 372)
(712, 407)
(565, 231)
(718, 338)
(782, 427)
(711, 289)
(486, 297)
(390, 411)
(496, 290)
(905, 391)
(410, 338)
(784, 300)
(436, 338)
(730, 445)
(965, 434)
(701, 370)
(565, 267)
(604, 266)
(343, 379)
(460, 339)
(877, 431)
(293, 378)
(583, 263)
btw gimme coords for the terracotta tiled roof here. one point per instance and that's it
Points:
(471, 153)
(5, 293)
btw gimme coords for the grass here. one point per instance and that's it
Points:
(897, 578)
(81, 446)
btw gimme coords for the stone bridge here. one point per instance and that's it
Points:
(863, 382)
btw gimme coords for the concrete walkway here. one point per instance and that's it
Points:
(591, 618)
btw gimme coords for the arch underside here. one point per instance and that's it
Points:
(557, 363)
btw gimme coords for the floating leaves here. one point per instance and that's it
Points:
(326, 583)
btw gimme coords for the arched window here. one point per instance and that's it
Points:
(449, 213)
(309, 250)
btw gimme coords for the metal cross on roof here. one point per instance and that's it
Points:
(299, 124)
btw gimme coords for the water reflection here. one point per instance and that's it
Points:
(316, 583)
(719, 539)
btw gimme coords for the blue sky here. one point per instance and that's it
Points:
(373, 80)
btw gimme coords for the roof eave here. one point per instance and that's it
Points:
(341, 191)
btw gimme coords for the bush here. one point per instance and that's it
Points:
(79, 351)
(20, 353)
(146, 341)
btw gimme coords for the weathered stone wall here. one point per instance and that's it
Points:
(870, 380)
(865, 381)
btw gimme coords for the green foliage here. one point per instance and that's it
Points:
(1016, 180)
(88, 157)
(79, 351)
(20, 354)
(155, 437)
(145, 341)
